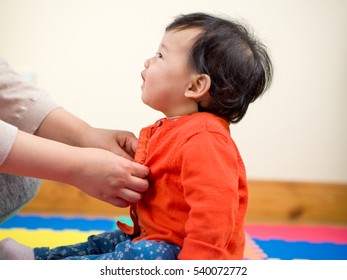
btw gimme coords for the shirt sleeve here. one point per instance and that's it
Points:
(211, 191)
(22, 104)
(7, 136)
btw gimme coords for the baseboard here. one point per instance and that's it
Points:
(297, 202)
(269, 202)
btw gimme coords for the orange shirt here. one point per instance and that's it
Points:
(197, 196)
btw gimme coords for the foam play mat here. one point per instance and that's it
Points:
(286, 242)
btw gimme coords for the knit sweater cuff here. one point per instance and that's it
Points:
(8, 135)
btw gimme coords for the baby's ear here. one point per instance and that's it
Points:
(199, 89)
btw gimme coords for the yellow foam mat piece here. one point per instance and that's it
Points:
(46, 237)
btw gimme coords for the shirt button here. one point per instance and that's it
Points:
(159, 123)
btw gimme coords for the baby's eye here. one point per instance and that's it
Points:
(159, 55)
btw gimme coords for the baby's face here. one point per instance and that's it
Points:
(167, 75)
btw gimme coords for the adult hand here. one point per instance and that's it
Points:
(108, 177)
(122, 143)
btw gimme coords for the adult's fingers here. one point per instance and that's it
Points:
(139, 170)
(119, 202)
(124, 198)
(137, 184)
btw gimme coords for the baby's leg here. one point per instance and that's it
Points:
(11, 250)
(94, 246)
(140, 250)
(143, 250)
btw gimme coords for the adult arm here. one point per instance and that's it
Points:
(97, 172)
(62, 126)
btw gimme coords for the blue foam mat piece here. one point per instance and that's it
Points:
(61, 223)
(284, 250)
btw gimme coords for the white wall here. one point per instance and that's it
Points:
(89, 54)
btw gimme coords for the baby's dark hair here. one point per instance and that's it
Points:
(237, 63)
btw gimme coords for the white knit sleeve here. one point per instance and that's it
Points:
(21, 103)
(7, 136)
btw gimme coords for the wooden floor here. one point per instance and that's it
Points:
(269, 202)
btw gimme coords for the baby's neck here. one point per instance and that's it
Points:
(173, 117)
